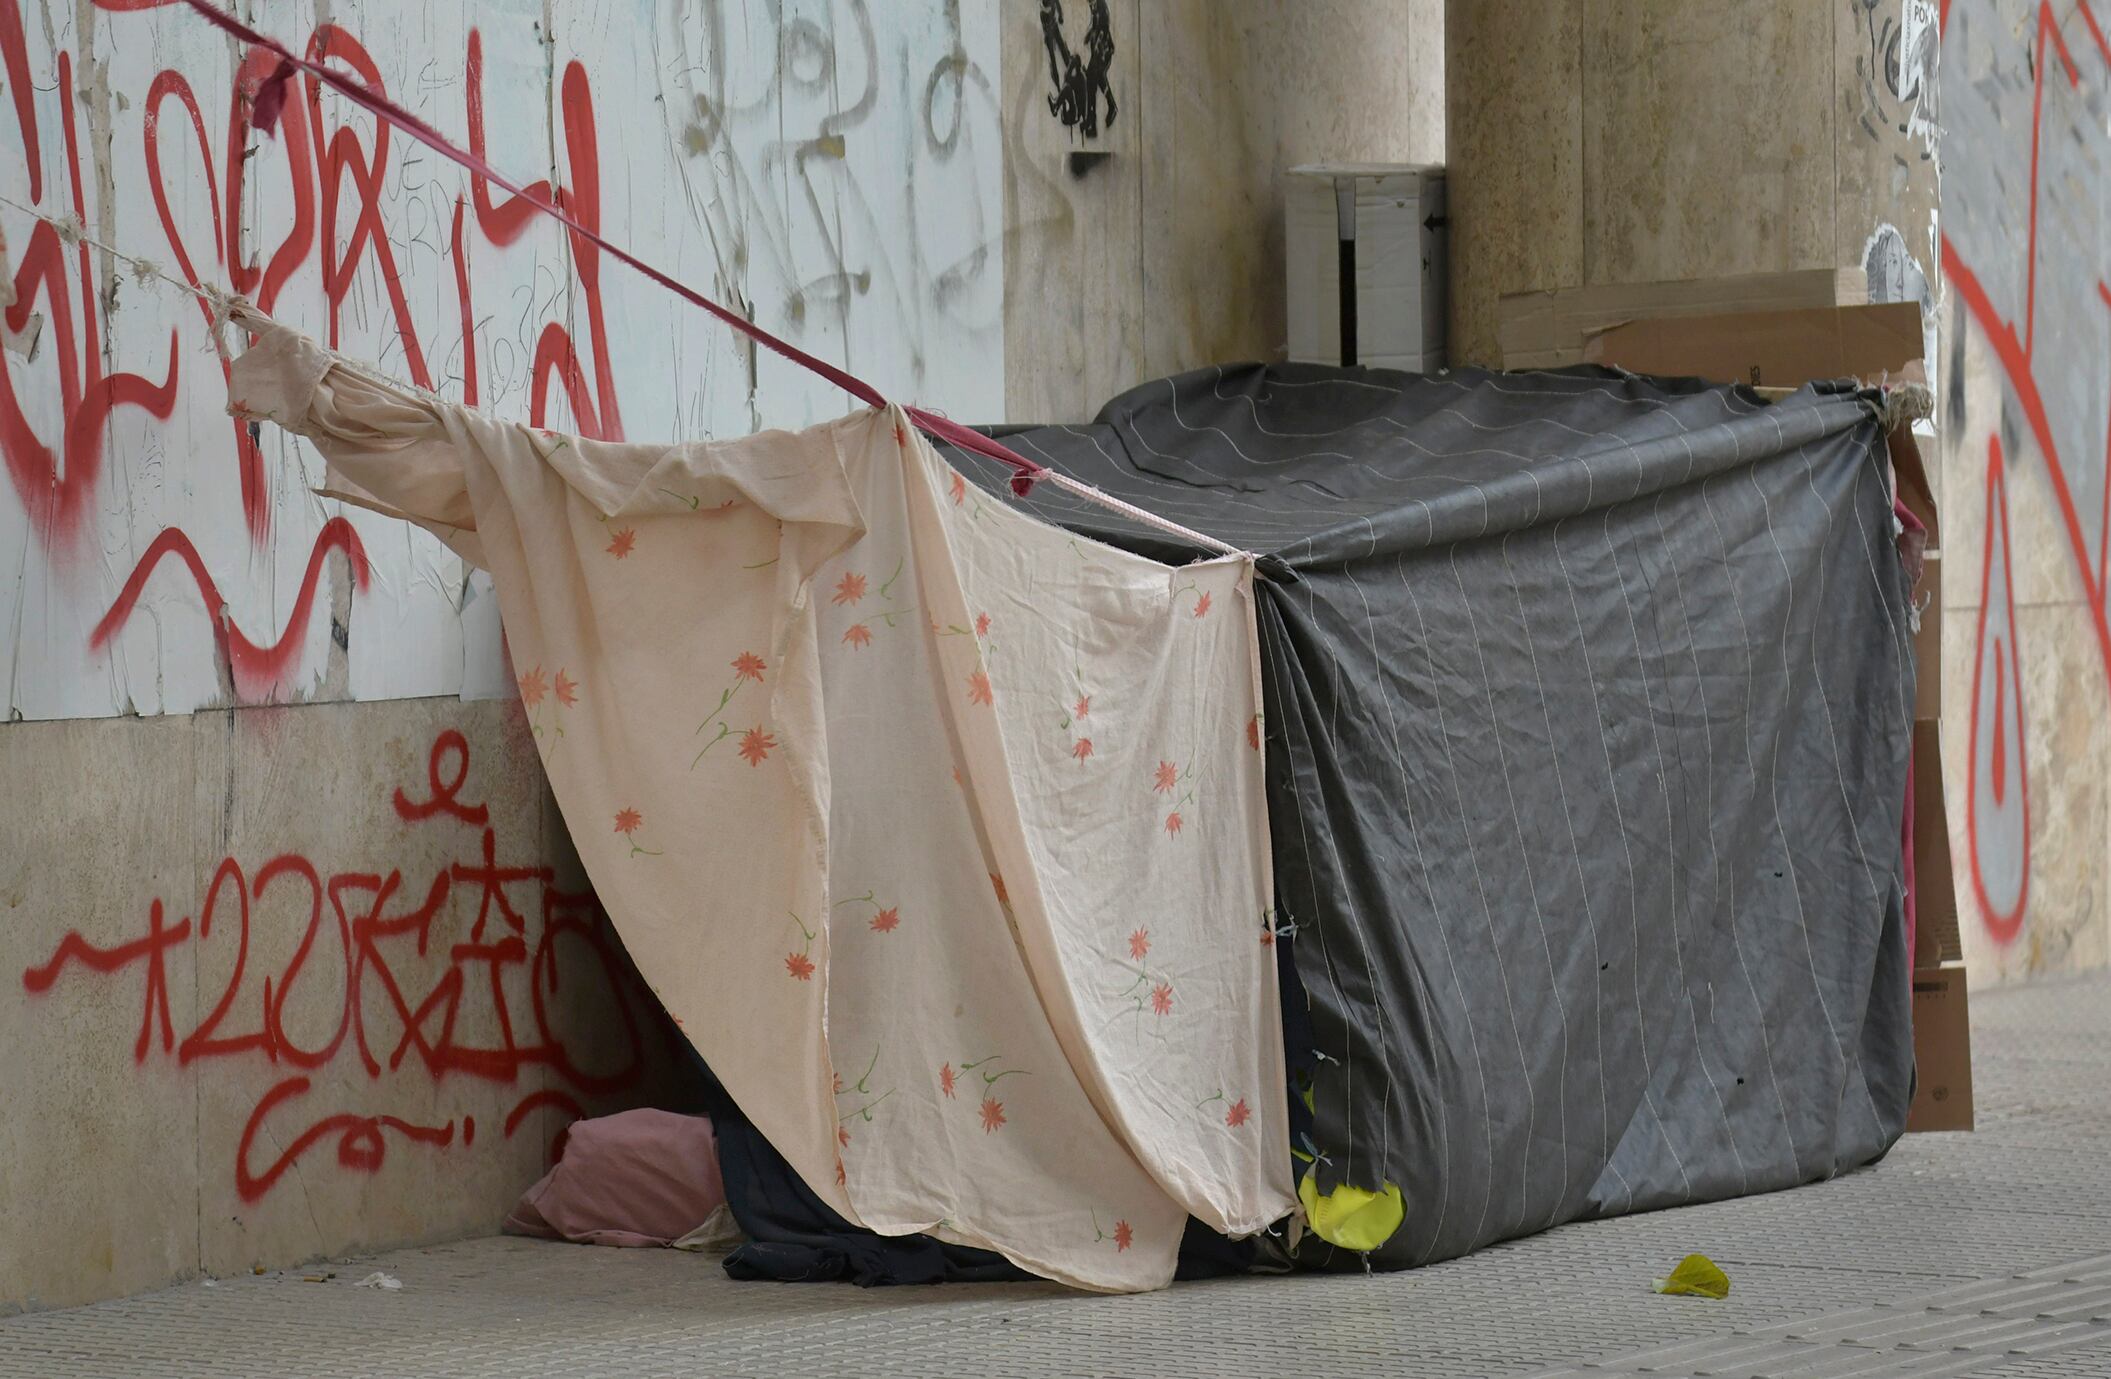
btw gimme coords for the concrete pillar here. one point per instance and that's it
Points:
(1166, 253)
(1609, 141)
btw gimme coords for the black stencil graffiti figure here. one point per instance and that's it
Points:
(1079, 84)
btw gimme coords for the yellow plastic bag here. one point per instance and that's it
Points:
(1697, 1276)
(1352, 1217)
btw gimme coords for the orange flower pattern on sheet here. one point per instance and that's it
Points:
(755, 744)
(1121, 1236)
(992, 1071)
(979, 688)
(696, 504)
(979, 629)
(1202, 599)
(851, 590)
(1073, 719)
(865, 1099)
(1149, 984)
(1236, 1113)
(628, 822)
(883, 920)
(535, 689)
(1165, 782)
(799, 963)
(622, 542)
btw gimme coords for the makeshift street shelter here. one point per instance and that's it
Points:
(1589, 699)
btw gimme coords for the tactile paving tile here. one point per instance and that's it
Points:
(1979, 1254)
(1964, 1329)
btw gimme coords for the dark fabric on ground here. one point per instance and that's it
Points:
(1588, 707)
(795, 1237)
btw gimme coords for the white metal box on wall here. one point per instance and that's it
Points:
(1380, 226)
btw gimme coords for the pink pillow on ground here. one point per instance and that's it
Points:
(643, 1177)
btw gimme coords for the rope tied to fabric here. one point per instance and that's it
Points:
(269, 103)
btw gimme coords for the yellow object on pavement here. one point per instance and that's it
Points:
(1696, 1277)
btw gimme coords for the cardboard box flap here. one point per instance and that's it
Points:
(1771, 350)
(1875, 343)
(1942, 1050)
(1549, 329)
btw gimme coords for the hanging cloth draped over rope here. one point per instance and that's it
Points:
(940, 832)
(270, 100)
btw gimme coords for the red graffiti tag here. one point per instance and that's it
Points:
(1997, 746)
(257, 669)
(408, 996)
(332, 180)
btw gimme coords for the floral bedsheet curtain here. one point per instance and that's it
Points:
(938, 830)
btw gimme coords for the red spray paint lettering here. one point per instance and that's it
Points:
(1997, 812)
(392, 945)
(332, 179)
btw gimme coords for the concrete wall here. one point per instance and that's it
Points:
(146, 530)
(1599, 141)
(1611, 141)
(1168, 253)
(2027, 658)
(285, 983)
(260, 1003)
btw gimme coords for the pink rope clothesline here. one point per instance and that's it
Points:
(271, 98)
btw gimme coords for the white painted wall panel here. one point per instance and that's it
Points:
(831, 166)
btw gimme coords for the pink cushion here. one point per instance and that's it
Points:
(642, 1177)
